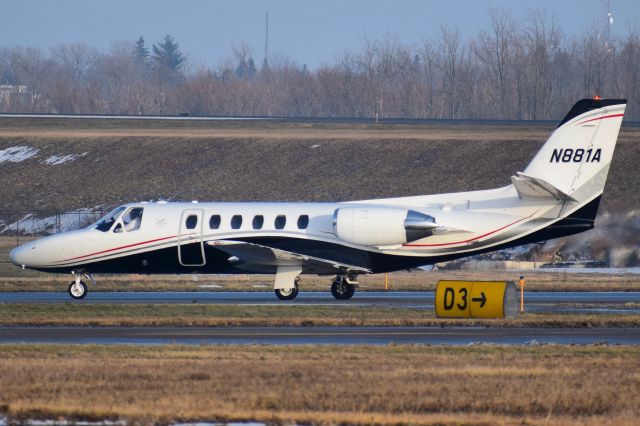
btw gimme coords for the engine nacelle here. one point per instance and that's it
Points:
(381, 226)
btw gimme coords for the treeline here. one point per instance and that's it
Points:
(510, 70)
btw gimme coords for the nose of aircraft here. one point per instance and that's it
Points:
(44, 252)
(25, 255)
(16, 256)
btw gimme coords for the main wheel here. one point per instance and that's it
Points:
(287, 293)
(78, 291)
(342, 290)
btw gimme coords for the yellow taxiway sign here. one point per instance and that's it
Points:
(476, 299)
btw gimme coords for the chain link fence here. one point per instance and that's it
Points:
(28, 225)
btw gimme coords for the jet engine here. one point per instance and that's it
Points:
(380, 226)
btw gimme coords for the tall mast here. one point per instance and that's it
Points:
(266, 40)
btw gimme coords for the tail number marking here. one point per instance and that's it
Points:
(570, 155)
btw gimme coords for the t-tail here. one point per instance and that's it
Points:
(573, 164)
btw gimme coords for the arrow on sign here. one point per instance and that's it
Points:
(482, 299)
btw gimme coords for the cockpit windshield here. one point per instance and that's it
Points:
(107, 221)
(131, 220)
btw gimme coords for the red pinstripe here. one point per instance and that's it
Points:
(601, 118)
(121, 247)
(470, 239)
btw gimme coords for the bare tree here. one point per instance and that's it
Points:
(494, 49)
(448, 60)
(512, 69)
(29, 67)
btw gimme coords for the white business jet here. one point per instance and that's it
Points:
(556, 195)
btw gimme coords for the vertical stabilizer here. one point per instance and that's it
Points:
(575, 159)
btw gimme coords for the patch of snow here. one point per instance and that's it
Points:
(16, 154)
(210, 286)
(54, 160)
(315, 146)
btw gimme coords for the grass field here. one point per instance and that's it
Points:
(126, 315)
(480, 385)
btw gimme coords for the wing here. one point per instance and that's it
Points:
(255, 256)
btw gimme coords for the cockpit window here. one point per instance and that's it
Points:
(132, 219)
(107, 221)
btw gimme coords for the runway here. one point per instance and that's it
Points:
(595, 302)
(289, 120)
(317, 335)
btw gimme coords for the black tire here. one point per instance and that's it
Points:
(287, 294)
(342, 290)
(78, 292)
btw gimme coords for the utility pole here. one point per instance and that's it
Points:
(607, 40)
(266, 42)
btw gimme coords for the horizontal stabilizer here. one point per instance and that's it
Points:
(529, 187)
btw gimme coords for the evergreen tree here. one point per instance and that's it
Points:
(140, 51)
(246, 68)
(251, 68)
(168, 55)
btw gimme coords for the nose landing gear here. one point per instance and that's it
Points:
(78, 289)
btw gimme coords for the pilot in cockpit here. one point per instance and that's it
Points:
(132, 219)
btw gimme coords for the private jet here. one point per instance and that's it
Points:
(556, 195)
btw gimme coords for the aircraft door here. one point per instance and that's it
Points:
(190, 244)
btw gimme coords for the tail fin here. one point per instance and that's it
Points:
(574, 162)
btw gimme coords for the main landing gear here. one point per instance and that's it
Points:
(78, 289)
(343, 287)
(288, 293)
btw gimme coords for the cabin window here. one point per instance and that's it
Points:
(281, 221)
(303, 221)
(191, 222)
(214, 221)
(236, 221)
(108, 220)
(132, 219)
(258, 221)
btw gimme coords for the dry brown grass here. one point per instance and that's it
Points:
(330, 385)
(38, 128)
(207, 315)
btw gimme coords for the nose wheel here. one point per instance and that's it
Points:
(78, 290)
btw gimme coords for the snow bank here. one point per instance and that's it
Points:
(68, 221)
(54, 160)
(16, 154)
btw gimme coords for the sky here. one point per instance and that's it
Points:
(306, 32)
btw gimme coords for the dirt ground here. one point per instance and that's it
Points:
(262, 160)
